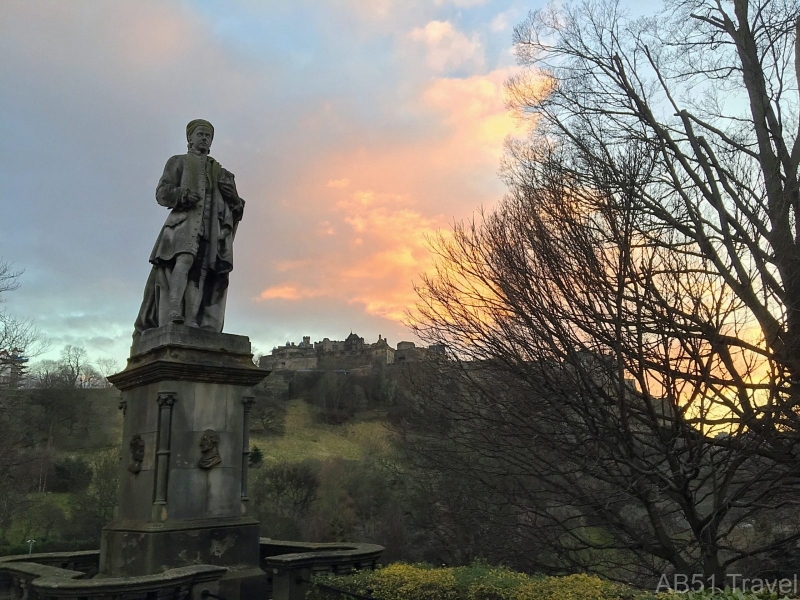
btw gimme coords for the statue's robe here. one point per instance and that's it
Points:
(214, 219)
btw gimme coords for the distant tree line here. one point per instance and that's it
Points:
(45, 412)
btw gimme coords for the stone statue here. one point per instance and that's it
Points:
(193, 254)
(209, 446)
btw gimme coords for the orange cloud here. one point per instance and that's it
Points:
(288, 292)
(338, 183)
(390, 251)
(474, 110)
(368, 241)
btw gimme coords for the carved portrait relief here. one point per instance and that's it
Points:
(209, 446)
(137, 454)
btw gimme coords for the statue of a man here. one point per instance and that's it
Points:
(193, 254)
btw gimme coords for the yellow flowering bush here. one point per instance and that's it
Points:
(479, 581)
(402, 581)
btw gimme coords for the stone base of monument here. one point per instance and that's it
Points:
(143, 550)
(183, 477)
(290, 567)
(182, 529)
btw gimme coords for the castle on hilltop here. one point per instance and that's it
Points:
(351, 353)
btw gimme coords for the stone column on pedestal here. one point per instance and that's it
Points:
(183, 477)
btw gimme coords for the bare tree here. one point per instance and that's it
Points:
(47, 374)
(19, 339)
(106, 367)
(624, 327)
(706, 93)
(57, 402)
(75, 364)
(19, 336)
(9, 278)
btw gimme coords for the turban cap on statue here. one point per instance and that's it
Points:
(197, 123)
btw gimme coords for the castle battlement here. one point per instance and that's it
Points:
(351, 353)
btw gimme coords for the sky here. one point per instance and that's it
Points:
(355, 129)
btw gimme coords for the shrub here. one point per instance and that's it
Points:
(478, 581)
(256, 457)
(732, 594)
(282, 494)
(268, 414)
(70, 475)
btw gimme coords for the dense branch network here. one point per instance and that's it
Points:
(625, 327)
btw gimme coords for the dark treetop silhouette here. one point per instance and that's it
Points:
(193, 254)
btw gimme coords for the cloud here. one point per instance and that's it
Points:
(372, 9)
(461, 3)
(380, 249)
(446, 48)
(347, 158)
(474, 111)
(370, 237)
(500, 22)
(288, 292)
(338, 183)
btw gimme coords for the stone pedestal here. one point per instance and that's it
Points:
(183, 475)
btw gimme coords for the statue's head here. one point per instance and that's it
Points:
(137, 448)
(209, 441)
(199, 135)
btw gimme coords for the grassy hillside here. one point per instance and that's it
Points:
(306, 438)
(61, 520)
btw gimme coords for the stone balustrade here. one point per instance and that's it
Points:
(20, 580)
(290, 566)
(85, 561)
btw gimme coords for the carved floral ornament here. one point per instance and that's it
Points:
(166, 399)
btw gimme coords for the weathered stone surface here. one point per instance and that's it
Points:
(193, 254)
(138, 549)
(35, 580)
(178, 336)
(291, 564)
(180, 353)
(224, 492)
(174, 512)
(138, 493)
(187, 494)
(210, 407)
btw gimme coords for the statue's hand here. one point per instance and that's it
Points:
(228, 189)
(237, 210)
(189, 199)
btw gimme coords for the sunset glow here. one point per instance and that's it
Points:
(350, 150)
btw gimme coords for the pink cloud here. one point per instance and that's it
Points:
(343, 181)
(371, 235)
(338, 183)
(462, 3)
